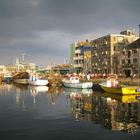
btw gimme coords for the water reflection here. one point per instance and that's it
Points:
(52, 93)
(114, 112)
(80, 102)
(36, 90)
(118, 113)
(5, 88)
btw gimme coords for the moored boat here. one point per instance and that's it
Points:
(74, 82)
(111, 85)
(7, 78)
(37, 81)
(21, 78)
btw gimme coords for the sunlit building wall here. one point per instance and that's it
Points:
(130, 59)
(106, 51)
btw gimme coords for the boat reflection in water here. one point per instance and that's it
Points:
(51, 93)
(115, 112)
(81, 102)
(35, 90)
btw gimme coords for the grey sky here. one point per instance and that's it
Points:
(44, 29)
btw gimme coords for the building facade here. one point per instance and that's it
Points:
(130, 59)
(101, 55)
(106, 51)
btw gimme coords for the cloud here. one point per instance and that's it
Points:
(44, 29)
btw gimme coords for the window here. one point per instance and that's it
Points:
(123, 61)
(135, 51)
(129, 54)
(129, 62)
(135, 60)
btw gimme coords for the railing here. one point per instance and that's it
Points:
(78, 65)
(78, 58)
(78, 51)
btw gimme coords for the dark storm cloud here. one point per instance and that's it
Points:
(44, 29)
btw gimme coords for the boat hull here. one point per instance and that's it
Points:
(20, 81)
(39, 82)
(78, 85)
(121, 90)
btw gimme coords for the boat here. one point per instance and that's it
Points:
(37, 81)
(111, 85)
(7, 78)
(74, 82)
(21, 78)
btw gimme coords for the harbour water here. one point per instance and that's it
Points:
(40, 113)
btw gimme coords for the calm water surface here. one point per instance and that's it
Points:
(40, 113)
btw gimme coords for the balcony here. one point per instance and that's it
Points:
(77, 51)
(78, 58)
(78, 65)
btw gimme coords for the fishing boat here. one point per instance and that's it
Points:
(7, 78)
(37, 81)
(21, 78)
(74, 82)
(111, 85)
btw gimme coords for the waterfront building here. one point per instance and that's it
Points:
(101, 55)
(80, 57)
(130, 59)
(106, 51)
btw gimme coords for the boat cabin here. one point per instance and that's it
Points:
(74, 80)
(111, 81)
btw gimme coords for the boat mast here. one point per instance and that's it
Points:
(23, 56)
(17, 63)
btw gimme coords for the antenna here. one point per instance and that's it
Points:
(23, 56)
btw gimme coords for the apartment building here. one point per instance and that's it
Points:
(79, 51)
(101, 55)
(130, 59)
(106, 51)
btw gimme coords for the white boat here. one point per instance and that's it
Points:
(36, 81)
(74, 82)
